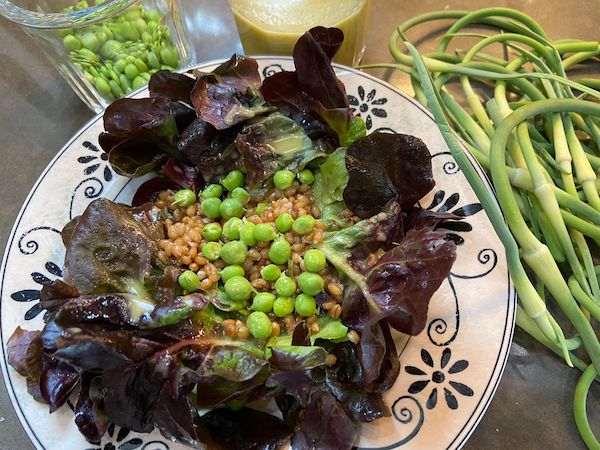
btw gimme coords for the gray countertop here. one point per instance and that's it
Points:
(532, 408)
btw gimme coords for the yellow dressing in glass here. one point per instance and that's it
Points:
(272, 27)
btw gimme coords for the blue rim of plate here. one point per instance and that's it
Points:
(492, 384)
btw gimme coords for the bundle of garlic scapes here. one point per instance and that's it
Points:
(538, 135)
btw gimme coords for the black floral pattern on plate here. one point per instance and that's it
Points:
(368, 105)
(33, 295)
(96, 160)
(440, 376)
(119, 441)
(441, 204)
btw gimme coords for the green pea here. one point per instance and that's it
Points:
(115, 88)
(306, 177)
(284, 222)
(231, 229)
(169, 56)
(285, 286)
(232, 180)
(212, 231)
(184, 198)
(189, 281)
(280, 251)
(283, 179)
(270, 272)
(89, 77)
(64, 32)
(130, 59)
(138, 82)
(104, 71)
(234, 252)
(264, 232)
(230, 207)
(119, 65)
(247, 233)
(131, 71)
(241, 194)
(231, 271)
(238, 289)
(263, 301)
(310, 283)
(71, 42)
(165, 67)
(140, 24)
(282, 306)
(102, 86)
(259, 325)
(304, 224)
(314, 260)
(90, 41)
(152, 24)
(305, 305)
(212, 190)
(153, 60)
(141, 65)
(210, 207)
(260, 208)
(211, 250)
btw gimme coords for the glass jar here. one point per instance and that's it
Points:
(107, 48)
(272, 27)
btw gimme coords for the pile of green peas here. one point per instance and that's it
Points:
(120, 54)
(229, 236)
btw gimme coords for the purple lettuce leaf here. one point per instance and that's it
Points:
(383, 167)
(90, 417)
(325, 425)
(175, 86)
(229, 95)
(246, 429)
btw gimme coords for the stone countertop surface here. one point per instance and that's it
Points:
(532, 408)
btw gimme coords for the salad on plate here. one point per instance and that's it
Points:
(252, 291)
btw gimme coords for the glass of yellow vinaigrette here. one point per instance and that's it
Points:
(272, 27)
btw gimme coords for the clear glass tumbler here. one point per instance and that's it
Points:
(107, 48)
(272, 27)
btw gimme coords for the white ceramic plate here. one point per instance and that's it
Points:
(449, 372)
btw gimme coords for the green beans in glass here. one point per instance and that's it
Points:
(87, 40)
